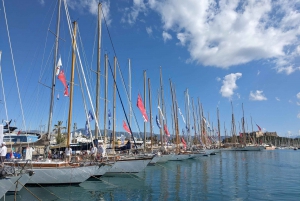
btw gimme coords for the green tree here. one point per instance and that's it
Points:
(58, 128)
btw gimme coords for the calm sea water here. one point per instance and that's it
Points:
(265, 175)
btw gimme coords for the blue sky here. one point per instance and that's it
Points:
(240, 51)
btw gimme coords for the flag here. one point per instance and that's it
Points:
(90, 116)
(126, 127)
(57, 97)
(87, 132)
(166, 130)
(258, 127)
(157, 122)
(59, 64)
(181, 115)
(62, 78)
(183, 142)
(109, 117)
(140, 105)
(19, 132)
(161, 113)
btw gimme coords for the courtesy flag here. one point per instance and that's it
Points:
(126, 127)
(62, 78)
(140, 105)
(166, 130)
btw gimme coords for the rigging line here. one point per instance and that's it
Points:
(3, 92)
(122, 103)
(122, 78)
(79, 58)
(14, 66)
(90, 78)
(84, 104)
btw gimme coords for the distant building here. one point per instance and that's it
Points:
(274, 134)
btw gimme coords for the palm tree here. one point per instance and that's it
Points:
(57, 128)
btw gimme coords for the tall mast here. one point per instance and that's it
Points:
(175, 116)
(160, 120)
(54, 71)
(114, 104)
(162, 100)
(129, 80)
(98, 72)
(150, 108)
(200, 122)
(243, 126)
(194, 118)
(105, 98)
(145, 107)
(233, 126)
(72, 83)
(219, 134)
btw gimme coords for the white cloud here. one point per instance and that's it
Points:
(91, 6)
(131, 14)
(166, 36)
(226, 33)
(218, 79)
(286, 69)
(257, 96)
(149, 30)
(277, 98)
(229, 85)
(298, 116)
(298, 95)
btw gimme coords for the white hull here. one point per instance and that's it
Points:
(22, 180)
(164, 158)
(61, 175)
(6, 184)
(129, 166)
(101, 170)
(179, 157)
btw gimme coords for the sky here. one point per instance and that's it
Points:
(245, 52)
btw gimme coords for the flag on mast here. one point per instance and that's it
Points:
(62, 78)
(126, 127)
(259, 128)
(109, 117)
(90, 118)
(166, 130)
(161, 112)
(183, 142)
(140, 105)
(181, 115)
(157, 122)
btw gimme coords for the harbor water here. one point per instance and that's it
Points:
(257, 175)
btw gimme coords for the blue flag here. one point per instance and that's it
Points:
(87, 132)
(157, 122)
(90, 116)
(109, 117)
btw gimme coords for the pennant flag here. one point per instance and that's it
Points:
(183, 142)
(258, 127)
(59, 64)
(57, 97)
(109, 117)
(140, 105)
(157, 122)
(161, 113)
(181, 115)
(62, 78)
(126, 127)
(166, 130)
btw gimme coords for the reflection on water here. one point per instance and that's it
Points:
(265, 175)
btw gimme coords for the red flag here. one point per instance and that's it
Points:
(62, 78)
(140, 105)
(19, 132)
(258, 127)
(183, 142)
(126, 127)
(166, 130)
